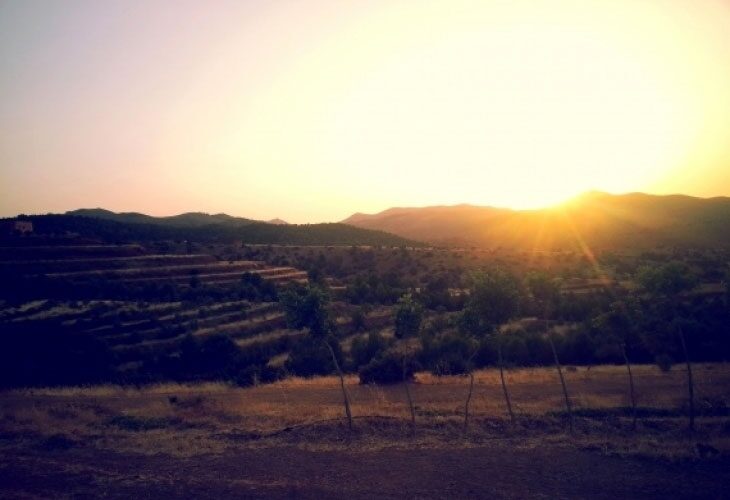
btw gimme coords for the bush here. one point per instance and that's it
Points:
(138, 424)
(365, 349)
(447, 354)
(259, 374)
(48, 353)
(311, 357)
(358, 319)
(214, 357)
(664, 362)
(57, 442)
(385, 369)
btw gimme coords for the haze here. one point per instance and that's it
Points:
(310, 111)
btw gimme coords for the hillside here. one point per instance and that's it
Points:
(130, 227)
(599, 220)
(189, 219)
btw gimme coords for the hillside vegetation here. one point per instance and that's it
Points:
(597, 220)
(131, 227)
(189, 219)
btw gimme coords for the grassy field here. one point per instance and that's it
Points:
(50, 436)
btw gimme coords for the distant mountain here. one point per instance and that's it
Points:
(597, 220)
(189, 219)
(109, 226)
(278, 222)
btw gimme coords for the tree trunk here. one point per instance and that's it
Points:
(342, 385)
(690, 383)
(631, 386)
(568, 406)
(504, 385)
(410, 400)
(468, 400)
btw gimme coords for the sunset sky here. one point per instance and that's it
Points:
(312, 110)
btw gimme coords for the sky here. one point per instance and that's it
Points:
(312, 110)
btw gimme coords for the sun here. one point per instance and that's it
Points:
(498, 117)
(485, 109)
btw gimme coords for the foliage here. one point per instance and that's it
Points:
(665, 283)
(358, 319)
(493, 300)
(214, 357)
(374, 289)
(545, 292)
(387, 368)
(311, 357)
(617, 329)
(447, 354)
(365, 348)
(305, 307)
(115, 231)
(408, 317)
(49, 353)
(258, 374)
(666, 280)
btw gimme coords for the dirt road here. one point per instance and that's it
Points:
(494, 471)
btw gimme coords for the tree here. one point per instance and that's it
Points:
(494, 299)
(546, 296)
(408, 318)
(666, 283)
(385, 368)
(618, 328)
(309, 357)
(358, 319)
(305, 307)
(366, 348)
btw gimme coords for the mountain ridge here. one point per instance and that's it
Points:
(183, 219)
(107, 226)
(599, 219)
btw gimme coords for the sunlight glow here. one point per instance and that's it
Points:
(479, 106)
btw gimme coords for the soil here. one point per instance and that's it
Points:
(496, 470)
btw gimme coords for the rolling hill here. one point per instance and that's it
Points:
(189, 219)
(595, 219)
(106, 226)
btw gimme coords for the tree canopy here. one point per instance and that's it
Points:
(305, 307)
(494, 299)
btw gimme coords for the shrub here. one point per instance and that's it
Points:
(311, 357)
(258, 374)
(214, 357)
(56, 442)
(385, 369)
(358, 319)
(664, 362)
(446, 354)
(364, 349)
(138, 424)
(46, 352)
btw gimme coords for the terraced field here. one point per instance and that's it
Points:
(209, 299)
(137, 328)
(130, 264)
(126, 325)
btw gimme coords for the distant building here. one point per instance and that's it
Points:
(16, 227)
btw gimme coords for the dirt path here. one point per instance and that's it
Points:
(495, 471)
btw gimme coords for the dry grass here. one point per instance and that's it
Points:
(185, 420)
(268, 337)
(114, 391)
